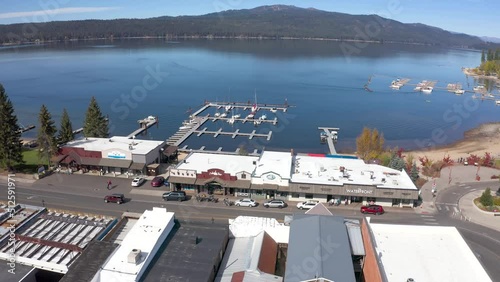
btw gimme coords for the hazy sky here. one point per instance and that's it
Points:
(476, 17)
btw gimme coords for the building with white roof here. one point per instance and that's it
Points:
(326, 178)
(117, 154)
(273, 172)
(425, 253)
(214, 173)
(130, 260)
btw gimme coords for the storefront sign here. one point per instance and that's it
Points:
(304, 187)
(116, 155)
(359, 191)
(215, 173)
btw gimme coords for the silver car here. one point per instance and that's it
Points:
(275, 204)
(246, 203)
(138, 181)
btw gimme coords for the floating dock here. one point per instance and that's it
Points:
(234, 134)
(144, 125)
(244, 120)
(23, 129)
(398, 83)
(330, 135)
(182, 134)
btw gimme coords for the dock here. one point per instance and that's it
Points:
(23, 129)
(247, 106)
(398, 83)
(234, 134)
(79, 130)
(273, 121)
(331, 134)
(144, 125)
(182, 134)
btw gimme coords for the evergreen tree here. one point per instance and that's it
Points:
(497, 54)
(10, 136)
(95, 124)
(46, 138)
(486, 199)
(489, 56)
(66, 131)
(397, 162)
(414, 172)
(483, 57)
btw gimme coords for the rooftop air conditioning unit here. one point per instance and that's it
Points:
(134, 256)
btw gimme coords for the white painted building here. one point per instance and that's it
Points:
(129, 261)
(425, 253)
(272, 173)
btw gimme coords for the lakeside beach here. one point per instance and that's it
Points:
(477, 141)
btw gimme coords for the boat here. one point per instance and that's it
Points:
(228, 108)
(223, 115)
(418, 88)
(490, 95)
(236, 116)
(257, 122)
(151, 118)
(459, 91)
(217, 114)
(273, 110)
(479, 88)
(323, 137)
(263, 117)
(185, 127)
(428, 101)
(427, 90)
(251, 115)
(230, 121)
(497, 102)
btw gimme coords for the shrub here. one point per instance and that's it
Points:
(472, 159)
(495, 177)
(486, 199)
(496, 201)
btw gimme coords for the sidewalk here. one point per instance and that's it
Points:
(474, 214)
(451, 176)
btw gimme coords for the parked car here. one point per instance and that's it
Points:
(157, 181)
(374, 209)
(114, 198)
(275, 204)
(307, 205)
(138, 181)
(246, 203)
(174, 196)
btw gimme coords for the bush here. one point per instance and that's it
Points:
(486, 199)
(496, 201)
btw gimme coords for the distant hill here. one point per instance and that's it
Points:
(277, 21)
(490, 39)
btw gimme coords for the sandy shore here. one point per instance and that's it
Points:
(485, 138)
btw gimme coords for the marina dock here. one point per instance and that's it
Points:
(329, 135)
(247, 106)
(23, 129)
(398, 83)
(144, 125)
(234, 134)
(182, 134)
(244, 120)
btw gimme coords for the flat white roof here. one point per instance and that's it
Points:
(425, 253)
(143, 236)
(249, 226)
(277, 162)
(326, 171)
(140, 147)
(228, 163)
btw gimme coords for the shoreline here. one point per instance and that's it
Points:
(477, 141)
(469, 72)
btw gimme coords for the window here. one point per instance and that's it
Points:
(309, 196)
(243, 176)
(295, 195)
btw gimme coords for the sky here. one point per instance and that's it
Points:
(475, 17)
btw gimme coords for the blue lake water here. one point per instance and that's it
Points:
(324, 86)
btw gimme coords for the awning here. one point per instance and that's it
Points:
(115, 163)
(57, 159)
(169, 150)
(182, 180)
(137, 166)
(268, 187)
(244, 184)
(89, 161)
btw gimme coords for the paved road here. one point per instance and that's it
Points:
(85, 194)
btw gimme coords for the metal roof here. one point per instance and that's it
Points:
(318, 248)
(355, 237)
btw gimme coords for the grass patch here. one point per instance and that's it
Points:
(31, 161)
(497, 163)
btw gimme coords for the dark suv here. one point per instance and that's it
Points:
(174, 196)
(114, 198)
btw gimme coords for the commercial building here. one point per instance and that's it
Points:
(294, 178)
(116, 155)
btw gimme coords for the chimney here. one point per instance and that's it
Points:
(134, 256)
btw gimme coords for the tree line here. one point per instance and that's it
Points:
(49, 139)
(490, 62)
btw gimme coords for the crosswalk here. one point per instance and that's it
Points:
(429, 219)
(447, 207)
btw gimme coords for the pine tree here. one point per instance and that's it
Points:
(66, 131)
(489, 56)
(414, 172)
(397, 162)
(10, 136)
(46, 138)
(483, 57)
(95, 124)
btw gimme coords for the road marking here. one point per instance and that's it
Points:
(446, 204)
(447, 208)
(456, 210)
(432, 223)
(461, 185)
(427, 216)
(31, 196)
(429, 219)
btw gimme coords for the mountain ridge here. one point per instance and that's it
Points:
(269, 21)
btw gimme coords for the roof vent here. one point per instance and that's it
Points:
(134, 256)
(410, 280)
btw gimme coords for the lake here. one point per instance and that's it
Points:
(133, 79)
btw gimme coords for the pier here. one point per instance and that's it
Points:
(182, 134)
(23, 129)
(330, 135)
(246, 106)
(234, 134)
(398, 83)
(144, 125)
(244, 120)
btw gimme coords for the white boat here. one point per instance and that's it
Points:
(497, 102)
(257, 122)
(230, 121)
(217, 114)
(228, 108)
(185, 127)
(223, 115)
(263, 117)
(251, 115)
(151, 118)
(236, 116)
(427, 90)
(479, 88)
(490, 95)
(418, 88)
(273, 110)
(459, 91)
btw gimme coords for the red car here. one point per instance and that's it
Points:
(157, 181)
(374, 209)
